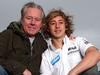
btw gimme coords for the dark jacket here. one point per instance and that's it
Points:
(16, 52)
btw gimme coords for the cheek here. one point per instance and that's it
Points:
(63, 27)
(25, 28)
(51, 30)
(39, 25)
(25, 21)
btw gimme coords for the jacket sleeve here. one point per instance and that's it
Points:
(12, 65)
(84, 44)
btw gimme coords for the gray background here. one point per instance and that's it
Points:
(86, 15)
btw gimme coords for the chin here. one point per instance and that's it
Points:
(31, 34)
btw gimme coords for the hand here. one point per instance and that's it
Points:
(27, 72)
(71, 37)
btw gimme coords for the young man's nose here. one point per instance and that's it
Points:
(57, 25)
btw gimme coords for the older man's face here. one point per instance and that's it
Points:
(32, 21)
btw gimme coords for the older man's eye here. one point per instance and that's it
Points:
(29, 18)
(38, 19)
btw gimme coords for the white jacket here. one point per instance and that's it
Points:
(60, 62)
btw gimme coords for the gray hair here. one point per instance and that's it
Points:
(32, 5)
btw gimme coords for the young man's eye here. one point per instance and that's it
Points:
(61, 22)
(51, 23)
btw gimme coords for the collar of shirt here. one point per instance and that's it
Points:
(31, 39)
(51, 47)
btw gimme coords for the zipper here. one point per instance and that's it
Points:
(31, 50)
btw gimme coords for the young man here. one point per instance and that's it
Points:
(66, 56)
(22, 44)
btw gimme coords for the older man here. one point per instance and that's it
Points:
(22, 44)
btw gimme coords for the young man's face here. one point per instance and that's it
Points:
(57, 27)
(32, 21)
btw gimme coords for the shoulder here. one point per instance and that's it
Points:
(73, 38)
(5, 36)
(79, 38)
(6, 32)
(46, 54)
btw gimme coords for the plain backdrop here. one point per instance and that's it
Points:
(86, 15)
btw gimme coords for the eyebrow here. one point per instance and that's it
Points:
(58, 20)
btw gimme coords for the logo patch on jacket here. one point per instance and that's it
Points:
(71, 48)
(86, 42)
(55, 60)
